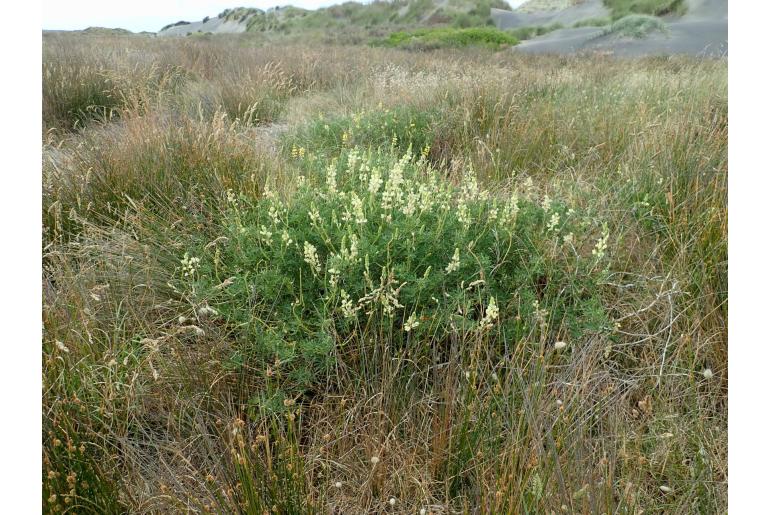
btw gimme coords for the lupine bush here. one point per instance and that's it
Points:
(386, 247)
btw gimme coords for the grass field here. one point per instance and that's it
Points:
(321, 279)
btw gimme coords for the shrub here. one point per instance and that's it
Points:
(593, 22)
(372, 250)
(636, 26)
(427, 39)
(621, 8)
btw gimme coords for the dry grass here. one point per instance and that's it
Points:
(146, 412)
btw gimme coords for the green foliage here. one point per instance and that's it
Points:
(240, 14)
(399, 128)
(593, 22)
(428, 39)
(177, 24)
(621, 8)
(371, 245)
(636, 26)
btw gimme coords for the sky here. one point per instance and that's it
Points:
(139, 15)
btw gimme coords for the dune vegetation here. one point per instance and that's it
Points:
(621, 8)
(357, 22)
(636, 26)
(327, 279)
(427, 39)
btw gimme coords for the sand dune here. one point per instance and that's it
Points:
(701, 32)
(214, 25)
(583, 11)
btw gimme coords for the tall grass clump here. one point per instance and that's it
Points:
(82, 86)
(398, 129)
(150, 160)
(258, 99)
(74, 95)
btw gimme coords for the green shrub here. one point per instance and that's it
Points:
(427, 39)
(636, 26)
(593, 22)
(621, 8)
(374, 250)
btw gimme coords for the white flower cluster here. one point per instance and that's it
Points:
(331, 178)
(346, 306)
(231, 198)
(285, 238)
(190, 265)
(265, 235)
(315, 216)
(510, 210)
(349, 254)
(553, 222)
(454, 265)
(386, 295)
(601, 245)
(393, 196)
(411, 323)
(311, 257)
(491, 314)
(354, 211)
(375, 181)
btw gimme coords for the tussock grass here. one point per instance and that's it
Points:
(198, 356)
